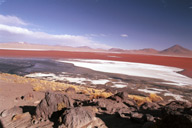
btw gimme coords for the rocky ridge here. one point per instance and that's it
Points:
(71, 109)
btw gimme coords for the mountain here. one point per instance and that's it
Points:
(145, 51)
(177, 50)
(40, 47)
(149, 50)
(140, 51)
(116, 50)
(84, 47)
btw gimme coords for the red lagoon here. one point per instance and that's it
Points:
(180, 62)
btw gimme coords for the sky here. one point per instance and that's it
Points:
(126, 24)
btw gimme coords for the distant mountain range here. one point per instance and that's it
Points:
(175, 50)
(40, 47)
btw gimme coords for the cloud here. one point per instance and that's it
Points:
(13, 29)
(20, 34)
(11, 20)
(96, 35)
(124, 35)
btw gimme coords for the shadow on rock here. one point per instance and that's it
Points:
(1, 125)
(115, 121)
(30, 109)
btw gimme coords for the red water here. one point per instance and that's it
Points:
(180, 62)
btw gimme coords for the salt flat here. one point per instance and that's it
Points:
(134, 69)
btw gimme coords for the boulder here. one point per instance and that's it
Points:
(120, 96)
(80, 117)
(123, 97)
(109, 106)
(53, 102)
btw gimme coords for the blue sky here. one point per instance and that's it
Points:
(128, 24)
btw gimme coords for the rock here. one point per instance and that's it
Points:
(176, 107)
(125, 113)
(151, 108)
(13, 111)
(78, 117)
(96, 123)
(70, 90)
(120, 96)
(130, 103)
(116, 98)
(176, 114)
(123, 97)
(46, 124)
(109, 106)
(138, 117)
(53, 102)
(149, 118)
(18, 121)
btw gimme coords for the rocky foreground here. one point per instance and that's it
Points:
(71, 109)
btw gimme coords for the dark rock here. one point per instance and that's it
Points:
(130, 103)
(78, 117)
(123, 97)
(176, 107)
(53, 102)
(109, 106)
(151, 108)
(120, 96)
(176, 114)
(116, 98)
